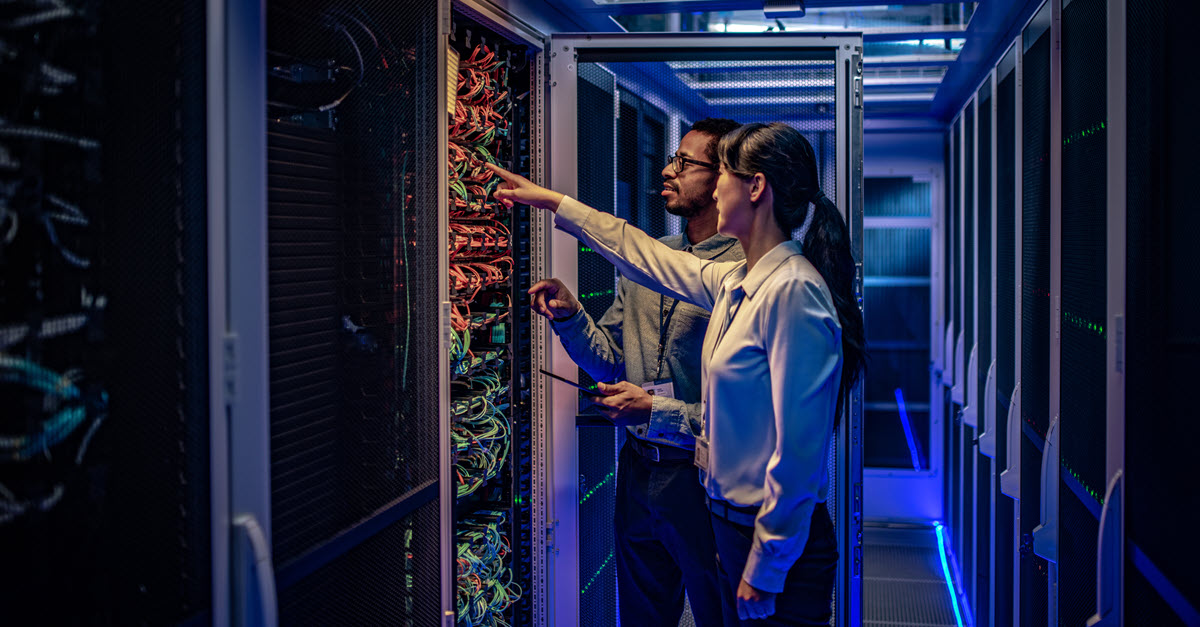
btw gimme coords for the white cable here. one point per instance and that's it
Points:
(40, 18)
(32, 132)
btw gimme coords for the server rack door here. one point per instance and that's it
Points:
(638, 62)
(965, 535)
(1084, 314)
(353, 173)
(983, 464)
(1035, 303)
(107, 507)
(1159, 343)
(1005, 325)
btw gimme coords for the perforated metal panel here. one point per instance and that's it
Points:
(1035, 237)
(1084, 301)
(391, 579)
(104, 511)
(353, 302)
(1005, 331)
(983, 473)
(1035, 309)
(1160, 343)
(955, 223)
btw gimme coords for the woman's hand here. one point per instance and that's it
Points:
(518, 189)
(753, 603)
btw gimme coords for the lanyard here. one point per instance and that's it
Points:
(664, 325)
(664, 318)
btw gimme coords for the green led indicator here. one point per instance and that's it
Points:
(595, 294)
(593, 578)
(597, 487)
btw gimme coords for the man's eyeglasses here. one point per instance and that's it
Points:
(676, 162)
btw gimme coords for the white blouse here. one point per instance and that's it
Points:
(770, 372)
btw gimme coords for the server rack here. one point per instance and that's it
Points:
(1003, 400)
(104, 247)
(1084, 309)
(1035, 325)
(401, 492)
(984, 370)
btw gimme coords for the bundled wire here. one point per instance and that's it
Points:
(480, 436)
(485, 587)
(61, 394)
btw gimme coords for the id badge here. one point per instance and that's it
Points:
(702, 454)
(663, 387)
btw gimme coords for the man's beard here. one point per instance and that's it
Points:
(684, 207)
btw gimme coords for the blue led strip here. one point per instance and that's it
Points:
(941, 543)
(912, 444)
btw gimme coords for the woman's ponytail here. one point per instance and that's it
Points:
(827, 247)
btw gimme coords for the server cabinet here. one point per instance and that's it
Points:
(1034, 327)
(1003, 399)
(984, 371)
(108, 322)
(1147, 512)
(575, 80)
(1084, 319)
(401, 432)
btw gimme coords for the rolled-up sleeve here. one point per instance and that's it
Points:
(803, 344)
(641, 258)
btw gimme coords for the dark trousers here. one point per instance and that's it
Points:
(664, 544)
(807, 595)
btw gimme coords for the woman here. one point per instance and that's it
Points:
(785, 342)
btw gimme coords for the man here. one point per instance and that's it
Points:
(651, 345)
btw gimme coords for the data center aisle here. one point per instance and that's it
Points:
(903, 583)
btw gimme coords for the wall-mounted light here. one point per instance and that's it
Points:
(778, 9)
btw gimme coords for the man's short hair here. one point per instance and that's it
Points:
(715, 128)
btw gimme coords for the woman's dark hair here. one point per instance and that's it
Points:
(787, 161)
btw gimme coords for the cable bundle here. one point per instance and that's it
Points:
(481, 270)
(485, 584)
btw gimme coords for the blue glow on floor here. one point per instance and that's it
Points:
(908, 433)
(941, 542)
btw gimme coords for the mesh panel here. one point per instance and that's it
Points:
(947, 241)
(895, 252)
(984, 216)
(391, 579)
(1084, 240)
(1005, 243)
(954, 294)
(983, 475)
(1005, 332)
(105, 250)
(597, 281)
(895, 196)
(1161, 349)
(906, 325)
(352, 199)
(1035, 238)
(897, 270)
(1084, 297)
(967, 284)
(1034, 569)
(892, 442)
